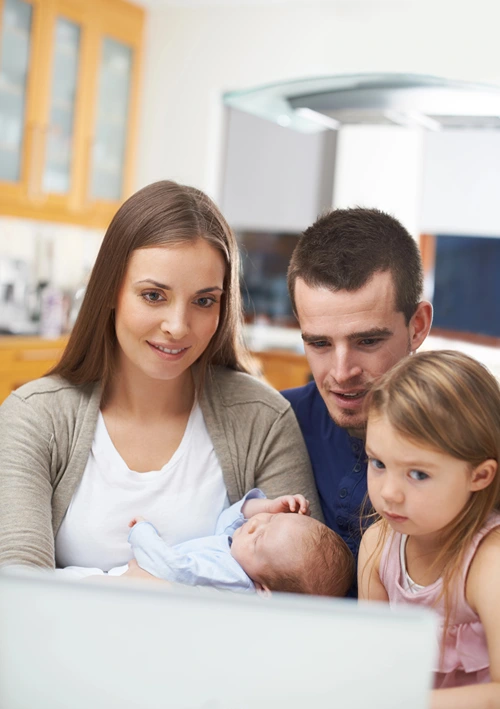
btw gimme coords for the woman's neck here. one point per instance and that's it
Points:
(136, 394)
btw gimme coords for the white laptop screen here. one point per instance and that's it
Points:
(69, 645)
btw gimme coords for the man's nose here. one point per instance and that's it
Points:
(345, 368)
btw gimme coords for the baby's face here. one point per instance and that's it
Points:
(271, 541)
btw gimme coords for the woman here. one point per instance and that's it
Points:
(150, 410)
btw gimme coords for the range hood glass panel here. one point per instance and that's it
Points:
(370, 96)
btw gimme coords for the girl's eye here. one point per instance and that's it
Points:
(418, 475)
(377, 464)
(152, 296)
(205, 302)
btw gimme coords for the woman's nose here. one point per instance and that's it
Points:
(176, 325)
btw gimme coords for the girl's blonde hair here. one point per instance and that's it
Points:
(449, 402)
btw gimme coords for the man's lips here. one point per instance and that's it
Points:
(348, 399)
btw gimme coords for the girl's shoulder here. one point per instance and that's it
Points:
(484, 571)
(375, 537)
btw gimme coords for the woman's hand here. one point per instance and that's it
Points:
(134, 571)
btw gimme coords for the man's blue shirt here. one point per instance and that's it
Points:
(338, 461)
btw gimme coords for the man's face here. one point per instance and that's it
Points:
(351, 338)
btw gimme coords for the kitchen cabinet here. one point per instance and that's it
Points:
(69, 74)
(283, 369)
(25, 358)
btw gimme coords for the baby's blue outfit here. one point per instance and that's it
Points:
(206, 561)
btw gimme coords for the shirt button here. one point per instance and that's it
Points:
(355, 447)
(343, 493)
(357, 468)
(341, 521)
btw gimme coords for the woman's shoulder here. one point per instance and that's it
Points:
(53, 390)
(236, 388)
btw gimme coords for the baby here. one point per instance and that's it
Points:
(259, 544)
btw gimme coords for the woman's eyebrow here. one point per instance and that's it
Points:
(164, 286)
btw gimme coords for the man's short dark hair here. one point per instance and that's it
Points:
(343, 249)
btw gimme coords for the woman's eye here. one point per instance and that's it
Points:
(205, 302)
(152, 296)
(418, 475)
(377, 464)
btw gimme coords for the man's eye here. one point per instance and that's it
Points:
(319, 344)
(418, 475)
(369, 342)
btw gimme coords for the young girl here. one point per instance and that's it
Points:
(433, 445)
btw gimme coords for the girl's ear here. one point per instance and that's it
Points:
(483, 475)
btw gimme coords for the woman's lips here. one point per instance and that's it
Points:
(168, 353)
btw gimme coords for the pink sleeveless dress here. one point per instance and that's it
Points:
(465, 659)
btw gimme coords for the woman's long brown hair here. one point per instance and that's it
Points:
(161, 214)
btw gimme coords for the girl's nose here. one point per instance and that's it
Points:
(392, 491)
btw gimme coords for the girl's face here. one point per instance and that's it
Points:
(418, 490)
(168, 308)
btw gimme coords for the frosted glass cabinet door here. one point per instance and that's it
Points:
(57, 169)
(15, 46)
(108, 154)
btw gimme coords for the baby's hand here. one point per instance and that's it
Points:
(289, 503)
(135, 521)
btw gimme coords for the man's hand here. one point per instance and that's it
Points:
(136, 520)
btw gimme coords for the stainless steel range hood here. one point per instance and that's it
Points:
(322, 103)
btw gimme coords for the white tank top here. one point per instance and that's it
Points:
(183, 499)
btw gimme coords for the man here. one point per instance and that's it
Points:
(355, 281)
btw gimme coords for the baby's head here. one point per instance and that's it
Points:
(293, 553)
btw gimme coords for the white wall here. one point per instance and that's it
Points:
(380, 166)
(195, 54)
(461, 185)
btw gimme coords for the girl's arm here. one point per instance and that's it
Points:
(370, 586)
(482, 593)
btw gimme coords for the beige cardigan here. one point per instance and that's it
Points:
(46, 433)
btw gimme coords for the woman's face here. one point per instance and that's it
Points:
(168, 308)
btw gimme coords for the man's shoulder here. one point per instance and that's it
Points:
(308, 405)
(307, 394)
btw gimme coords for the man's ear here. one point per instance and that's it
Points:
(262, 590)
(420, 324)
(483, 475)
